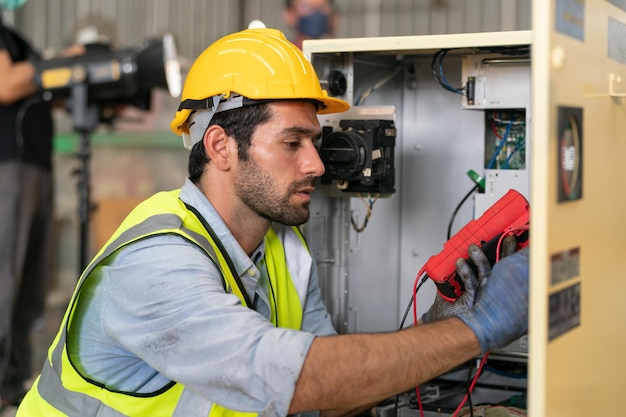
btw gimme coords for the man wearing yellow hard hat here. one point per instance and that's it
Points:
(206, 300)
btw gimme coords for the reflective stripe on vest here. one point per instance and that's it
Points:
(61, 391)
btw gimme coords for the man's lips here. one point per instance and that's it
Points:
(305, 193)
(303, 188)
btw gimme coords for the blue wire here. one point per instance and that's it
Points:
(443, 78)
(519, 146)
(500, 145)
(447, 84)
(506, 136)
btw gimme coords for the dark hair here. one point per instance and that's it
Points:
(240, 124)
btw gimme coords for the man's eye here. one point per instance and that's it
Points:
(293, 144)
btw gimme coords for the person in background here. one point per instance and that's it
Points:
(26, 207)
(310, 19)
(206, 300)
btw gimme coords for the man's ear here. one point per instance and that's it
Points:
(219, 147)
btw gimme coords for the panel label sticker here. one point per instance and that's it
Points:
(570, 18)
(570, 153)
(565, 265)
(616, 44)
(564, 313)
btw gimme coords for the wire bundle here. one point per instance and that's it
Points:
(436, 67)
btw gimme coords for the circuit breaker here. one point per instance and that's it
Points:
(360, 156)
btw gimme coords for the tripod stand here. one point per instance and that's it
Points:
(85, 118)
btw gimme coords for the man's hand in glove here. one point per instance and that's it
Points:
(500, 314)
(442, 308)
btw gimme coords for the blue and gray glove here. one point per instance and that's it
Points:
(440, 309)
(500, 314)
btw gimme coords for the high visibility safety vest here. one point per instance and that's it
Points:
(61, 391)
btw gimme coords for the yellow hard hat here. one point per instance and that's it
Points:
(258, 64)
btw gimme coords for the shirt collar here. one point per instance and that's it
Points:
(191, 194)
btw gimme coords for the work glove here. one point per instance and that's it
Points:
(441, 308)
(500, 314)
(509, 246)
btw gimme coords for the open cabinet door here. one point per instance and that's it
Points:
(577, 336)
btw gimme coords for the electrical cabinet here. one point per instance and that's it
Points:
(453, 103)
(456, 111)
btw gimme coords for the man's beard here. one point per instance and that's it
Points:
(258, 190)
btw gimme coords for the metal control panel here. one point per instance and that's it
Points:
(425, 111)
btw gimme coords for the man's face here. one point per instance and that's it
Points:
(311, 18)
(278, 178)
(306, 7)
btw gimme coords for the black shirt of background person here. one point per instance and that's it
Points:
(26, 126)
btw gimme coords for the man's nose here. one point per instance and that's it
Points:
(313, 164)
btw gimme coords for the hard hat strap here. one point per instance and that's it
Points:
(233, 101)
(199, 119)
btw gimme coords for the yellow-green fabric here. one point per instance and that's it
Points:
(62, 391)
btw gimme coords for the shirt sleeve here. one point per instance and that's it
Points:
(167, 311)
